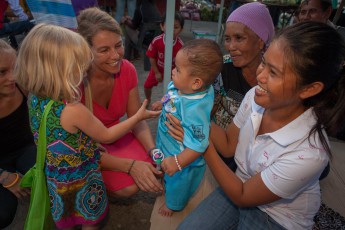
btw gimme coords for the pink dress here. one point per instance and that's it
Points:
(127, 146)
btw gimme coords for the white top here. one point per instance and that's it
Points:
(290, 164)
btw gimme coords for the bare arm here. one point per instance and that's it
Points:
(251, 193)
(154, 67)
(143, 173)
(186, 157)
(77, 116)
(225, 141)
(141, 130)
(12, 182)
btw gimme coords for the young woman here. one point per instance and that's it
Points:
(279, 136)
(18, 150)
(113, 84)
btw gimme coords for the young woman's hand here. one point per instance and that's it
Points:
(18, 191)
(144, 114)
(175, 128)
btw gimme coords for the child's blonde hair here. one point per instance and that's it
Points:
(52, 62)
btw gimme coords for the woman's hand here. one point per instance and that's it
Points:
(18, 191)
(144, 114)
(145, 176)
(175, 128)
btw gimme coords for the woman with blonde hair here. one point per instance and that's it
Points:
(112, 92)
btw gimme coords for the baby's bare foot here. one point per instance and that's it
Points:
(165, 211)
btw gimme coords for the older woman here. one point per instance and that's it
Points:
(249, 30)
(112, 92)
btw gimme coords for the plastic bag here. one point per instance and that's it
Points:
(39, 215)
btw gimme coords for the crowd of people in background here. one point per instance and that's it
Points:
(264, 121)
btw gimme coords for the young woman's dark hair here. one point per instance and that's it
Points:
(316, 52)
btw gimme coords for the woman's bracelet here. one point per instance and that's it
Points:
(178, 164)
(13, 182)
(5, 178)
(130, 167)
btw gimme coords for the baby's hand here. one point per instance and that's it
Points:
(156, 106)
(159, 77)
(144, 114)
(169, 166)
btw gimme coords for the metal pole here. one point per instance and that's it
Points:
(218, 38)
(169, 30)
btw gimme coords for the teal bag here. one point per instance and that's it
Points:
(39, 215)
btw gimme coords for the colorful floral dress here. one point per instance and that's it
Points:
(76, 189)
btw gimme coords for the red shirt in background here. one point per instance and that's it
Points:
(3, 8)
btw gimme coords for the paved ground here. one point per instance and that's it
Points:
(133, 213)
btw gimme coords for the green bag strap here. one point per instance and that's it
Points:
(42, 138)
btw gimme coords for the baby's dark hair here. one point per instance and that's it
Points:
(178, 17)
(316, 52)
(205, 58)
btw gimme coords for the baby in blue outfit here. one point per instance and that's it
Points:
(190, 98)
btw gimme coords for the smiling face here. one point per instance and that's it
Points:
(243, 45)
(277, 88)
(7, 81)
(107, 48)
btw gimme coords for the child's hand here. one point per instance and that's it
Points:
(169, 166)
(159, 77)
(144, 114)
(156, 106)
(101, 148)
